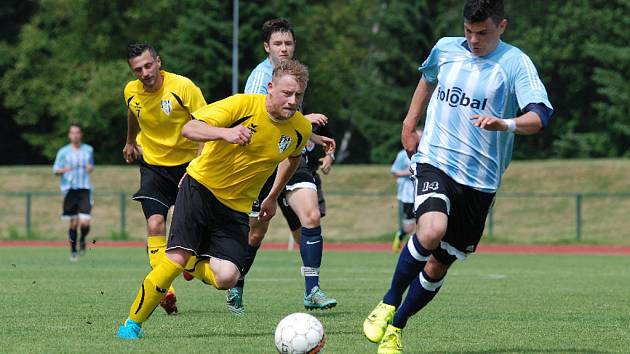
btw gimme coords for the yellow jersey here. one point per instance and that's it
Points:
(235, 174)
(161, 116)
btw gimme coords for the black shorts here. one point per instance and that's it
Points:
(205, 226)
(77, 204)
(407, 214)
(303, 177)
(466, 208)
(158, 187)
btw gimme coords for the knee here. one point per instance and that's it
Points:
(430, 234)
(74, 223)
(311, 218)
(156, 225)
(226, 278)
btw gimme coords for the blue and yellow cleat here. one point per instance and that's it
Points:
(317, 299)
(130, 330)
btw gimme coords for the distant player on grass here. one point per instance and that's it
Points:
(73, 164)
(480, 92)
(159, 103)
(405, 195)
(247, 136)
(302, 203)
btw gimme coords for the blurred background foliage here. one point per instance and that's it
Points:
(64, 60)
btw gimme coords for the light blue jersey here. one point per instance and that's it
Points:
(497, 84)
(260, 76)
(405, 184)
(77, 161)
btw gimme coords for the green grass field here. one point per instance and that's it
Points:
(489, 304)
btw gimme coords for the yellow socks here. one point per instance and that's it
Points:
(156, 247)
(153, 289)
(200, 269)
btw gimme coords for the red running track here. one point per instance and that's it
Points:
(372, 247)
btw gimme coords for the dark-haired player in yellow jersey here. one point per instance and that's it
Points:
(247, 136)
(159, 104)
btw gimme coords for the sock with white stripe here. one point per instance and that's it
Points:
(421, 291)
(311, 248)
(412, 259)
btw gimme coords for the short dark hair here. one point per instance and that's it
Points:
(480, 10)
(276, 25)
(75, 124)
(136, 49)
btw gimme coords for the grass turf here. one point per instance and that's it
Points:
(489, 304)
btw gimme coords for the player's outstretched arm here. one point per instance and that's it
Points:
(329, 144)
(197, 130)
(286, 168)
(419, 102)
(526, 124)
(317, 118)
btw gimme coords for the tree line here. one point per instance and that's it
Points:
(65, 60)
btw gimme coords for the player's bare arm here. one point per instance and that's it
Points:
(197, 130)
(526, 124)
(325, 163)
(317, 118)
(60, 171)
(286, 168)
(418, 105)
(131, 151)
(329, 144)
(401, 173)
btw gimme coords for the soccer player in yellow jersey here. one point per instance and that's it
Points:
(247, 136)
(159, 104)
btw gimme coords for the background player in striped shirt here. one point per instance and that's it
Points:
(478, 92)
(73, 164)
(159, 104)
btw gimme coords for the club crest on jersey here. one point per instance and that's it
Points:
(167, 107)
(284, 143)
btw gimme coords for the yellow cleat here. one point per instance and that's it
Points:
(375, 324)
(391, 342)
(397, 243)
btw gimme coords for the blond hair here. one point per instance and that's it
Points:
(291, 67)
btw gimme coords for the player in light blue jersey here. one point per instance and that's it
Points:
(261, 75)
(405, 195)
(302, 200)
(478, 93)
(73, 164)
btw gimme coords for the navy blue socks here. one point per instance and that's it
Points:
(311, 247)
(412, 259)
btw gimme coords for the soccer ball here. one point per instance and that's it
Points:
(299, 333)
